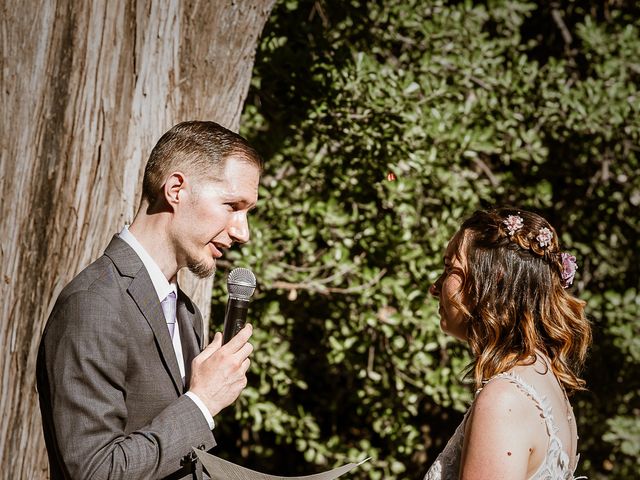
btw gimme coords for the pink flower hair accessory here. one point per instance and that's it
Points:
(513, 223)
(569, 267)
(544, 237)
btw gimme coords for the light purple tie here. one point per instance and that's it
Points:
(169, 310)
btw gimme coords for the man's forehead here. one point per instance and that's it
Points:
(239, 182)
(239, 160)
(239, 168)
(233, 168)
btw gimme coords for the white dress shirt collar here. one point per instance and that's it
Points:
(160, 282)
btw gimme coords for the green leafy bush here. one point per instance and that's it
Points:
(467, 104)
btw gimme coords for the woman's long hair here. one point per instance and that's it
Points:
(514, 298)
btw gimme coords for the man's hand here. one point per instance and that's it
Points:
(218, 374)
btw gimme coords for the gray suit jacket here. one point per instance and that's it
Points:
(110, 390)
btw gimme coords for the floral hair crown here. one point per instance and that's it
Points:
(513, 223)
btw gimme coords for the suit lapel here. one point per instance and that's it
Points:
(190, 332)
(189, 342)
(144, 295)
(142, 291)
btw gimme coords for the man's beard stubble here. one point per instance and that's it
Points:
(200, 268)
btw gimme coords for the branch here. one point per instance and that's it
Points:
(452, 68)
(559, 21)
(305, 269)
(407, 378)
(320, 287)
(487, 171)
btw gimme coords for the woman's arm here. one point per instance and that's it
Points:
(500, 435)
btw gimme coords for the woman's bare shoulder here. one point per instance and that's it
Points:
(503, 396)
(501, 433)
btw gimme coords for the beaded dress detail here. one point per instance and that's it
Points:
(555, 466)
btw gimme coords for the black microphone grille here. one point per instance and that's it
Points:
(241, 282)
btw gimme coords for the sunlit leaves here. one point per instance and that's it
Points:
(461, 102)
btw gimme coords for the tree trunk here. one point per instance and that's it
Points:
(88, 88)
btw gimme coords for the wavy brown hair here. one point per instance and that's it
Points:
(514, 298)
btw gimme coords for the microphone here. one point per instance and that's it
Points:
(241, 284)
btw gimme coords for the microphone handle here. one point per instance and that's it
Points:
(235, 316)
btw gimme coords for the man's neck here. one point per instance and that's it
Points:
(151, 232)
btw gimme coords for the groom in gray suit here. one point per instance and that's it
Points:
(126, 384)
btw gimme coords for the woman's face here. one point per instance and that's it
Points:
(448, 286)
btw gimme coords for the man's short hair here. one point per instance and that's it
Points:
(196, 148)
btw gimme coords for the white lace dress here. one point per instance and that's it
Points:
(555, 466)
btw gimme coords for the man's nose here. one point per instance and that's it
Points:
(239, 228)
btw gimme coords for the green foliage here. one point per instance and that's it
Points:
(468, 104)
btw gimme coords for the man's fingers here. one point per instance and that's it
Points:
(245, 351)
(213, 347)
(245, 366)
(237, 342)
(219, 372)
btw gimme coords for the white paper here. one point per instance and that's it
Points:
(219, 469)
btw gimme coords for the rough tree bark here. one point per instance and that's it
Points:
(87, 89)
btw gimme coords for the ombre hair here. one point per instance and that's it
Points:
(513, 298)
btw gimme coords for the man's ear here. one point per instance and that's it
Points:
(174, 188)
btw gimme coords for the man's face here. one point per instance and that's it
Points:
(214, 216)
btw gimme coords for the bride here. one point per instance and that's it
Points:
(503, 291)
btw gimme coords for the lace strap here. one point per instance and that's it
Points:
(542, 403)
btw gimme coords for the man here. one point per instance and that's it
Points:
(124, 390)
